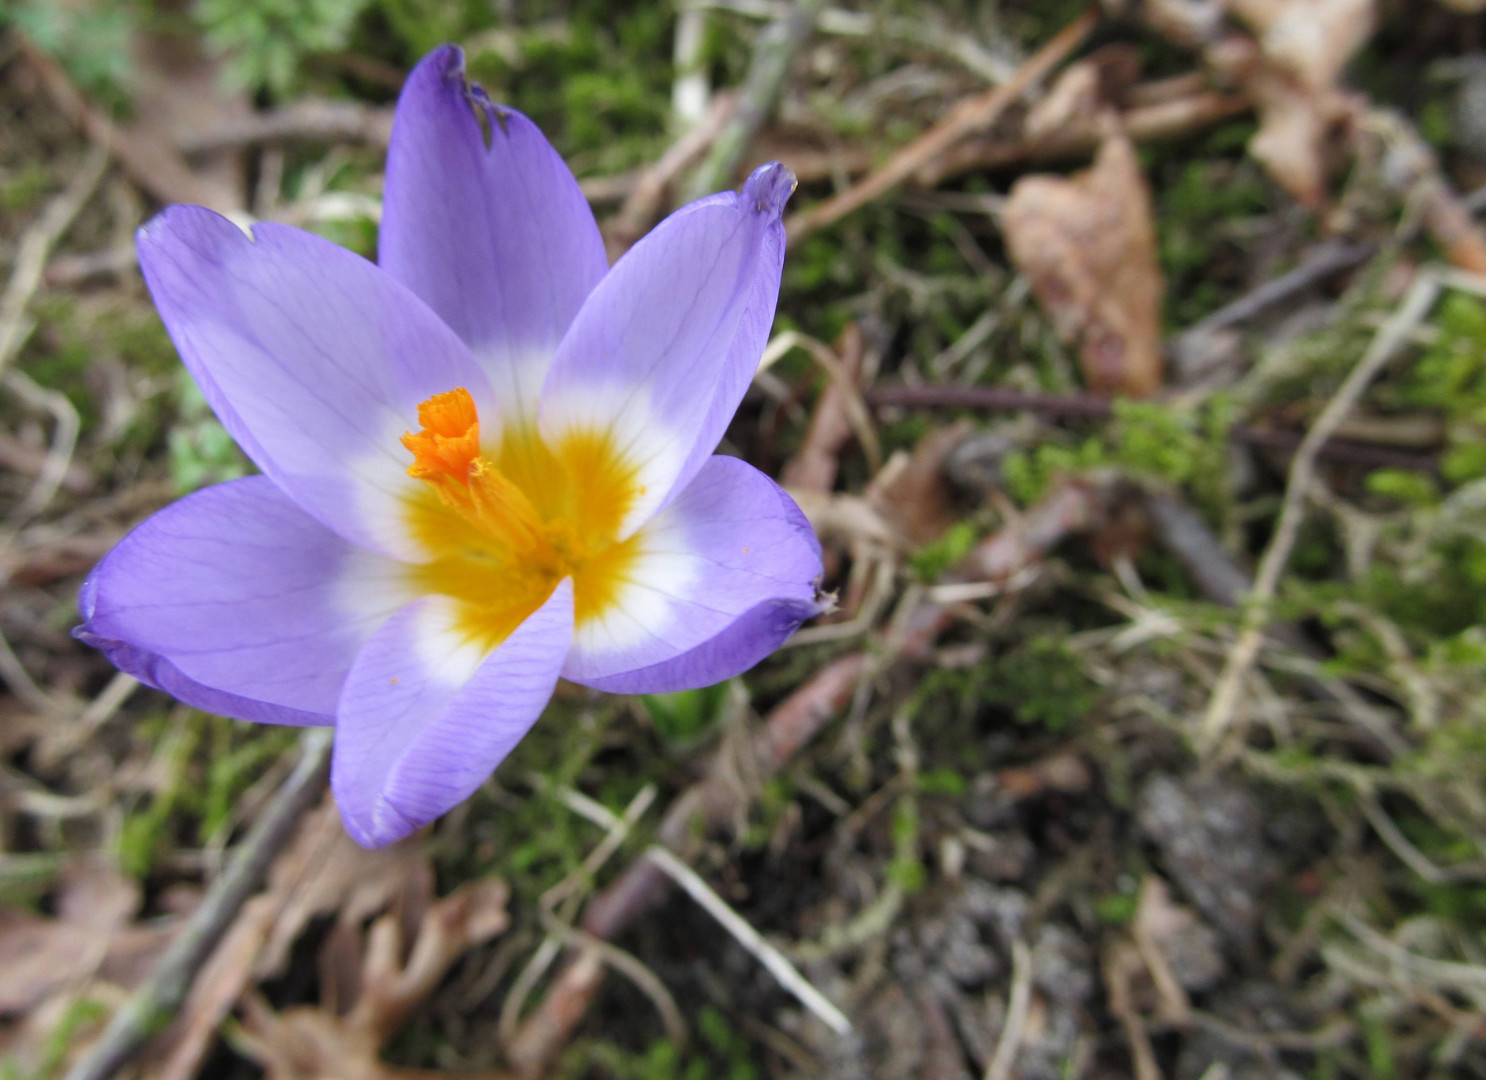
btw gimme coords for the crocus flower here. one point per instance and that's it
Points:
(487, 463)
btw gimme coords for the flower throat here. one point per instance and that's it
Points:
(511, 521)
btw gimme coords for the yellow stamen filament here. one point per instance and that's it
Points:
(502, 509)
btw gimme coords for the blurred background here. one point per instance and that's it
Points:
(1131, 365)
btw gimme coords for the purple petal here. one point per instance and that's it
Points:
(314, 359)
(422, 723)
(496, 236)
(665, 346)
(237, 602)
(729, 569)
(748, 639)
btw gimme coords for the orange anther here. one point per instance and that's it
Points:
(450, 438)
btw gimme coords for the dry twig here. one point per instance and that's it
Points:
(307, 120)
(153, 163)
(814, 466)
(775, 961)
(647, 198)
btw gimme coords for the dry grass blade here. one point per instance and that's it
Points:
(1004, 1061)
(36, 245)
(775, 961)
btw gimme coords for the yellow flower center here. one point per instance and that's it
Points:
(503, 524)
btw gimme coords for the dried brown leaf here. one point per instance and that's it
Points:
(911, 492)
(309, 1043)
(92, 936)
(324, 871)
(321, 872)
(1192, 23)
(217, 988)
(1303, 46)
(1292, 135)
(1313, 40)
(1081, 93)
(1088, 244)
(1181, 951)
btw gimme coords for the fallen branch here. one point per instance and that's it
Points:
(971, 115)
(1322, 262)
(155, 1003)
(154, 164)
(1143, 123)
(1146, 123)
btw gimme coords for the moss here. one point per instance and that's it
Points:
(932, 560)
(1028, 474)
(604, 110)
(25, 189)
(906, 869)
(143, 838)
(680, 719)
(1194, 210)
(1043, 683)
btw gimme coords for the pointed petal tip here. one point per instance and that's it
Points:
(184, 223)
(769, 188)
(447, 60)
(160, 227)
(445, 65)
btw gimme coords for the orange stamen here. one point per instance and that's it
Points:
(450, 439)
